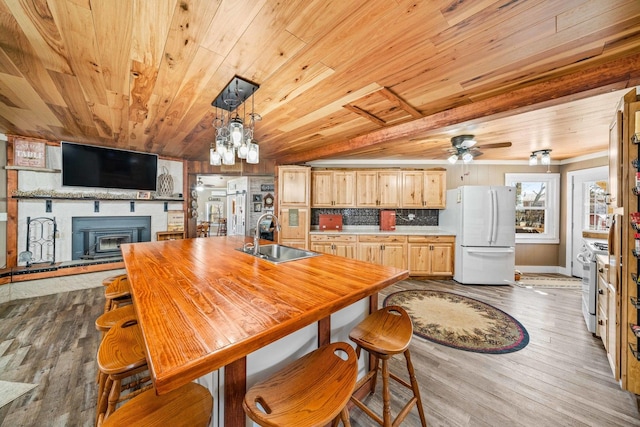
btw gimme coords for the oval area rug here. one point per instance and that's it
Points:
(460, 322)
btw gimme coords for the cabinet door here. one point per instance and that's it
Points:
(412, 188)
(294, 225)
(394, 255)
(367, 188)
(419, 259)
(344, 189)
(293, 185)
(347, 250)
(389, 189)
(613, 351)
(322, 247)
(442, 259)
(321, 189)
(370, 252)
(435, 189)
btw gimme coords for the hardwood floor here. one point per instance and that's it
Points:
(561, 378)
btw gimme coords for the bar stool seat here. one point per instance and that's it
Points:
(311, 391)
(383, 334)
(107, 320)
(190, 405)
(117, 294)
(108, 280)
(121, 355)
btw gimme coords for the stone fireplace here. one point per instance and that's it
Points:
(101, 237)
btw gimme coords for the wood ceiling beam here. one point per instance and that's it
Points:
(387, 93)
(617, 74)
(359, 111)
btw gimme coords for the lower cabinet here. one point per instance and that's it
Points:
(607, 323)
(386, 250)
(341, 245)
(294, 226)
(431, 255)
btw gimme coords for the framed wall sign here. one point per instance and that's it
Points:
(175, 221)
(29, 153)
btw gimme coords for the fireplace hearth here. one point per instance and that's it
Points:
(101, 237)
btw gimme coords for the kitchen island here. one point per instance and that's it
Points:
(203, 305)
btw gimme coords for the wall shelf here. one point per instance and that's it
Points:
(104, 199)
(32, 169)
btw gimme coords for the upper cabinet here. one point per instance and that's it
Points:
(293, 185)
(378, 189)
(423, 189)
(382, 188)
(333, 189)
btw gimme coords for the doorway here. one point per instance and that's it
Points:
(586, 210)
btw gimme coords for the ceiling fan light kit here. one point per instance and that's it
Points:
(464, 148)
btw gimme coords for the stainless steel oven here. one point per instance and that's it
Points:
(587, 257)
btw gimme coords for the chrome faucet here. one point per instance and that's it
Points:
(256, 237)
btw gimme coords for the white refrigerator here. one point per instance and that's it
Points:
(483, 220)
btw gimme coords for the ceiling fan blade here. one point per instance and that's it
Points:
(495, 145)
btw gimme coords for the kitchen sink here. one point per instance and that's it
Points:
(278, 253)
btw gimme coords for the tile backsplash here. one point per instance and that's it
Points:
(352, 216)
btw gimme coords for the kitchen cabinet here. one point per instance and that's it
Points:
(294, 211)
(607, 323)
(293, 185)
(341, 245)
(333, 189)
(379, 189)
(431, 255)
(389, 250)
(423, 189)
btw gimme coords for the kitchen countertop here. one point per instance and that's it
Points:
(401, 230)
(202, 305)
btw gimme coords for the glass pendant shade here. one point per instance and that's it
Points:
(243, 150)
(545, 158)
(237, 131)
(215, 158)
(253, 156)
(229, 156)
(533, 160)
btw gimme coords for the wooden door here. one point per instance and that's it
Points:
(412, 189)
(344, 189)
(388, 189)
(394, 255)
(293, 185)
(419, 259)
(321, 188)
(442, 259)
(435, 183)
(367, 188)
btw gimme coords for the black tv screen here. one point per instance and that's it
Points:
(99, 167)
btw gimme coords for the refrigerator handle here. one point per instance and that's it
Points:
(494, 216)
(491, 217)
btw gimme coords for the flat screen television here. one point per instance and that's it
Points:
(100, 167)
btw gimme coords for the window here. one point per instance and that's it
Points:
(595, 208)
(537, 206)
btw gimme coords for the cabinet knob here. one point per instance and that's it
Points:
(600, 291)
(600, 322)
(601, 270)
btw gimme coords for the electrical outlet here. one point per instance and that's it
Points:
(411, 217)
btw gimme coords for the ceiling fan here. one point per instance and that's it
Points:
(464, 147)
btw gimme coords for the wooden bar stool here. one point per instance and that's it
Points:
(190, 405)
(107, 281)
(117, 294)
(121, 356)
(107, 320)
(311, 391)
(383, 334)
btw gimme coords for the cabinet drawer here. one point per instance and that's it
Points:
(383, 239)
(431, 239)
(333, 238)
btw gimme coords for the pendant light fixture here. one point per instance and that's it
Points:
(233, 136)
(545, 157)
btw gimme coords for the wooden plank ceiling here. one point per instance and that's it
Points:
(375, 79)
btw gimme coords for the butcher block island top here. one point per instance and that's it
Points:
(202, 304)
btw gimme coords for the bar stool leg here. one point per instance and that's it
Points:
(386, 398)
(415, 387)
